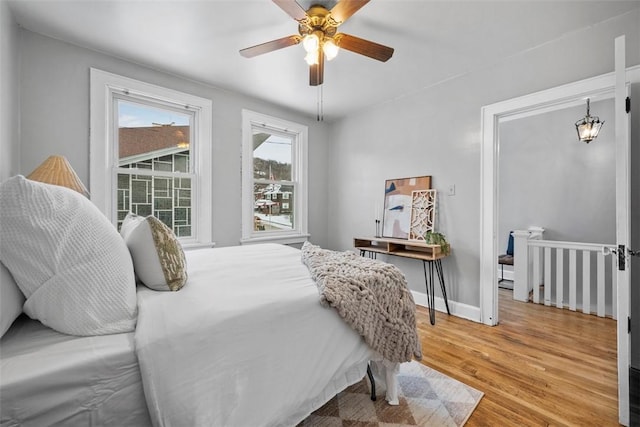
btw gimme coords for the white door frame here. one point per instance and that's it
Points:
(623, 225)
(600, 87)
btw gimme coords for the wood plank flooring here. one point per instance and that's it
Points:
(540, 366)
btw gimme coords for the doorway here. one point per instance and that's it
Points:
(601, 86)
(562, 97)
(549, 179)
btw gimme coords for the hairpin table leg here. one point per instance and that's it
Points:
(428, 279)
(442, 286)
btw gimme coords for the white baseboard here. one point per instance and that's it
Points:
(457, 309)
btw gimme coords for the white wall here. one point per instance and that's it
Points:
(550, 179)
(436, 131)
(54, 86)
(9, 95)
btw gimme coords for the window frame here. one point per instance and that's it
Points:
(103, 154)
(299, 173)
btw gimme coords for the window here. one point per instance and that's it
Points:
(150, 154)
(154, 163)
(274, 168)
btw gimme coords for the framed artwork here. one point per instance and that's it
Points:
(398, 195)
(423, 213)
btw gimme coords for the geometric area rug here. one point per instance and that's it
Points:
(427, 398)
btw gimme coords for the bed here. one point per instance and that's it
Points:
(50, 378)
(245, 342)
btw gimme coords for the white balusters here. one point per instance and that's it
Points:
(601, 290)
(565, 269)
(547, 276)
(559, 278)
(586, 282)
(537, 277)
(572, 279)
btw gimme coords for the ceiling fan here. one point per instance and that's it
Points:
(318, 32)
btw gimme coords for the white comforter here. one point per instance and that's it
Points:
(244, 343)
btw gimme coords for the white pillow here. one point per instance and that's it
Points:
(67, 258)
(11, 299)
(158, 258)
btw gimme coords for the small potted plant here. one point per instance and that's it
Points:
(435, 238)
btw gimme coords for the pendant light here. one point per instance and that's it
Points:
(588, 127)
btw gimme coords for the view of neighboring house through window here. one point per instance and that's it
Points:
(154, 164)
(274, 179)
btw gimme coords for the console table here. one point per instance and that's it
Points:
(430, 255)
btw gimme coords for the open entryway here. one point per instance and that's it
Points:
(602, 87)
(557, 203)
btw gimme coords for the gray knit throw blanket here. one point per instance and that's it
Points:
(371, 296)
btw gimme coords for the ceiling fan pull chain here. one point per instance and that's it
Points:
(320, 104)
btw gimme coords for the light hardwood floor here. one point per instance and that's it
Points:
(540, 366)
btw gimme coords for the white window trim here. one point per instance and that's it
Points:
(102, 154)
(300, 228)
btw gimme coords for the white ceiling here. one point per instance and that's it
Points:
(433, 40)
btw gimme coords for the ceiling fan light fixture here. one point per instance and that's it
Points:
(588, 127)
(330, 49)
(311, 43)
(312, 58)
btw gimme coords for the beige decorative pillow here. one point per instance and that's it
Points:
(158, 258)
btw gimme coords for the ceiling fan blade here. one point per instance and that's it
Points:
(364, 47)
(316, 72)
(345, 8)
(256, 50)
(292, 8)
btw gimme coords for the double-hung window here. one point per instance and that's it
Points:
(274, 179)
(151, 155)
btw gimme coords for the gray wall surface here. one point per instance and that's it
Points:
(432, 131)
(54, 113)
(437, 131)
(9, 95)
(550, 179)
